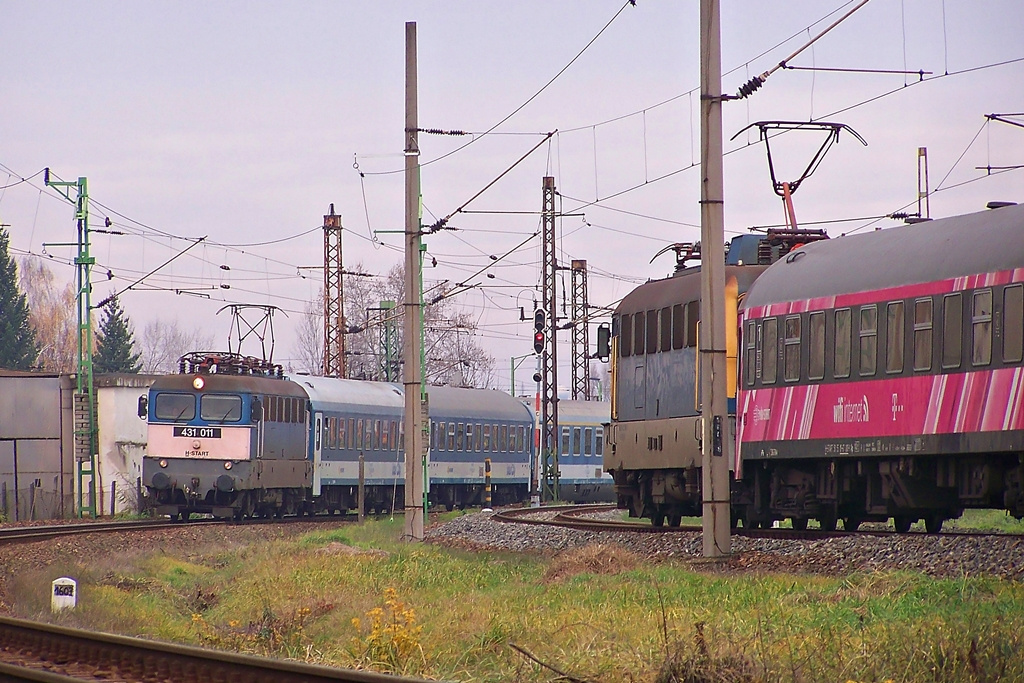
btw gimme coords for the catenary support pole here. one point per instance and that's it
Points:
(412, 344)
(716, 443)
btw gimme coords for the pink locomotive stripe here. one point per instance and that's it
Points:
(967, 402)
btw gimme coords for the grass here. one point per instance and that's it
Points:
(357, 597)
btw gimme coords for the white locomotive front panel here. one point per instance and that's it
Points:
(199, 442)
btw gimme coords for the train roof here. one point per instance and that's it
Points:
(324, 391)
(983, 242)
(484, 404)
(595, 412)
(214, 382)
(682, 287)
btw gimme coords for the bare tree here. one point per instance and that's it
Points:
(453, 357)
(53, 315)
(308, 350)
(163, 343)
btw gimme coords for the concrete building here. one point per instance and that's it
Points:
(37, 463)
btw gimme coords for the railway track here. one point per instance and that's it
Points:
(23, 534)
(578, 517)
(55, 654)
(26, 534)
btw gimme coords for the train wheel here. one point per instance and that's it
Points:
(799, 523)
(674, 520)
(902, 523)
(933, 523)
(851, 523)
(748, 519)
(658, 519)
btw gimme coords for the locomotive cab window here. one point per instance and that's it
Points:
(220, 407)
(1013, 324)
(868, 332)
(175, 406)
(981, 327)
(923, 334)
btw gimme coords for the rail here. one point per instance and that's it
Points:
(43, 652)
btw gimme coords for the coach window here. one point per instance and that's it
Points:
(373, 434)
(792, 349)
(220, 407)
(599, 442)
(566, 441)
(843, 344)
(895, 332)
(478, 437)
(1013, 324)
(678, 327)
(639, 333)
(816, 345)
(329, 436)
(626, 336)
(666, 329)
(175, 406)
(451, 436)
(981, 322)
(460, 437)
(692, 318)
(868, 331)
(923, 334)
(750, 359)
(770, 358)
(588, 441)
(486, 445)
(393, 431)
(952, 330)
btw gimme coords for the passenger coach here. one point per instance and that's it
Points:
(882, 376)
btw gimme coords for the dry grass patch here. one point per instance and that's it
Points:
(336, 548)
(591, 559)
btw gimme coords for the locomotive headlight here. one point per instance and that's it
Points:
(198, 383)
(163, 463)
(227, 465)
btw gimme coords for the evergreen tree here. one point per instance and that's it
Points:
(115, 348)
(18, 347)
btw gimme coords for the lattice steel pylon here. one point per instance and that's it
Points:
(579, 307)
(388, 335)
(334, 299)
(84, 410)
(549, 365)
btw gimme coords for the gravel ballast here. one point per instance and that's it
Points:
(940, 556)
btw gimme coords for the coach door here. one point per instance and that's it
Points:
(318, 444)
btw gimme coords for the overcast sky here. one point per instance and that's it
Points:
(243, 121)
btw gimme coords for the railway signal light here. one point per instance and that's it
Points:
(539, 323)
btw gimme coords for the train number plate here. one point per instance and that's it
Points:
(198, 432)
